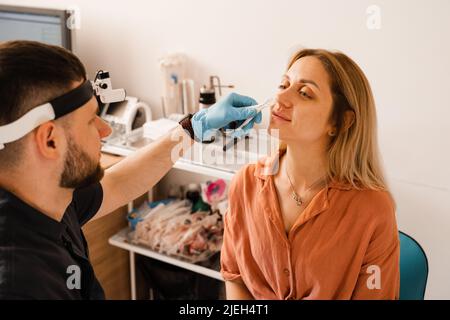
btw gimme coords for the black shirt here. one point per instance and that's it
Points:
(41, 258)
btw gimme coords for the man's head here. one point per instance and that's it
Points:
(31, 74)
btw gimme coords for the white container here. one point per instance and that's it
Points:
(157, 128)
(173, 72)
(189, 101)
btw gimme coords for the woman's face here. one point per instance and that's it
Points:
(303, 104)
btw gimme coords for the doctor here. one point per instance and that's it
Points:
(51, 182)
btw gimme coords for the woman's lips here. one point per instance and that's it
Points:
(280, 116)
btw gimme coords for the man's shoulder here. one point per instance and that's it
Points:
(90, 192)
(4, 201)
(87, 201)
(20, 269)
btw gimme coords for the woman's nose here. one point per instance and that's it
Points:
(283, 98)
(103, 128)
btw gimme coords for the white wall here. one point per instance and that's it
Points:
(248, 42)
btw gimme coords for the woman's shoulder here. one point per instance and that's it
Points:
(374, 197)
(376, 205)
(259, 170)
(363, 195)
(244, 193)
(243, 178)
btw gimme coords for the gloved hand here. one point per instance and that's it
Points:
(233, 107)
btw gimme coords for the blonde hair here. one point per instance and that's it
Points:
(353, 155)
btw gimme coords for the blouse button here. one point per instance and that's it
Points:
(286, 271)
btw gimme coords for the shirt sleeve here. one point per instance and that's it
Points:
(229, 266)
(379, 277)
(87, 202)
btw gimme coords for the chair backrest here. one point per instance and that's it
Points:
(413, 269)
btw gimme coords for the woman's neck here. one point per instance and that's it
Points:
(305, 165)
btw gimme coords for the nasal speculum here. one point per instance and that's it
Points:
(259, 108)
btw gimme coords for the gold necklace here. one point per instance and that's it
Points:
(298, 199)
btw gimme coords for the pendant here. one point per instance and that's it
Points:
(297, 199)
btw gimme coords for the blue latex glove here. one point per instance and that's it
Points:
(233, 107)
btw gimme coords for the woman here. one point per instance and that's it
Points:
(315, 220)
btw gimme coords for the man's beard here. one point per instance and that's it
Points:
(79, 169)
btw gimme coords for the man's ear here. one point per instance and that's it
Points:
(48, 140)
(349, 119)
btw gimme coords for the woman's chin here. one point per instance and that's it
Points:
(274, 125)
(274, 131)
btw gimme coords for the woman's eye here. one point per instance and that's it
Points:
(304, 94)
(282, 86)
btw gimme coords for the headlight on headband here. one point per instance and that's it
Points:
(101, 87)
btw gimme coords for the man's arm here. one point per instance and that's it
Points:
(138, 173)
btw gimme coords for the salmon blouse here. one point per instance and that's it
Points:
(344, 245)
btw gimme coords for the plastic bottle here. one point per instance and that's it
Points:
(173, 72)
(207, 97)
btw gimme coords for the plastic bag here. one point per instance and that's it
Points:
(172, 229)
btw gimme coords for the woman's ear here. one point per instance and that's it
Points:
(349, 119)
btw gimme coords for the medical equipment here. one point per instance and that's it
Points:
(171, 228)
(207, 97)
(127, 115)
(217, 84)
(259, 108)
(215, 194)
(206, 122)
(173, 69)
(103, 88)
(188, 102)
(208, 94)
(157, 128)
(60, 106)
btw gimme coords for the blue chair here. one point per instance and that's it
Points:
(413, 269)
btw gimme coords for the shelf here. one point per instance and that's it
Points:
(190, 166)
(205, 159)
(120, 240)
(182, 164)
